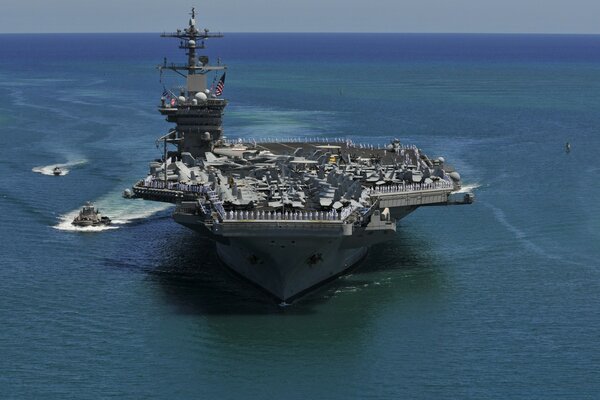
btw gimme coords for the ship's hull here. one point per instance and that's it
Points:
(288, 261)
(85, 224)
(288, 268)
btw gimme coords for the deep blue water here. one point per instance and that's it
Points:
(500, 299)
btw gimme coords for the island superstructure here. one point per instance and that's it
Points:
(287, 214)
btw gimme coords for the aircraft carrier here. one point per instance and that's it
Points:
(287, 214)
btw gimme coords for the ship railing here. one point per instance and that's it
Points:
(183, 187)
(153, 184)
(259, 215)
(189, 102)
(411, 187)
(311, 139)
(157, 184)
(193, 111)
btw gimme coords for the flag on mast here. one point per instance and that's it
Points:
(220, 85)
(168, 94)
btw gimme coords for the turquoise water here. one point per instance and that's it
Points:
(495, 300)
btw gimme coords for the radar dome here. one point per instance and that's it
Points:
(192, 43)
(201, 96)
(181, 99)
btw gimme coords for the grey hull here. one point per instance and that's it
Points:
(288, 268)
(288, 261)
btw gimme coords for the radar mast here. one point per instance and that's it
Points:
(195, 108)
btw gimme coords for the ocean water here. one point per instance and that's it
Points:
(500, 299)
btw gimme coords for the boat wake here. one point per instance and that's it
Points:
(468, 188)
(65, 168)
(519, 234)
(120, 211)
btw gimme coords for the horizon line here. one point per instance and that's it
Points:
(316, 32)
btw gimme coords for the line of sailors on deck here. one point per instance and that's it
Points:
(201, 189)
(347, 142)
(411, 187)
(287, 215)
(158, 184)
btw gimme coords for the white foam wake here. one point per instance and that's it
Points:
(121, 212)
(468, 188)
(65, 167)
(519, 234)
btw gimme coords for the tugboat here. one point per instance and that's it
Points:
(57, 171)
(90, 216)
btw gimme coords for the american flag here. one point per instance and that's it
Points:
(220, 85)
(167, 94)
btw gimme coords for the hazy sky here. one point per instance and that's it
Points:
(544, 16)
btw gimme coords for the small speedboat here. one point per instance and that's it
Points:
(90, 216)
(57, 171)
